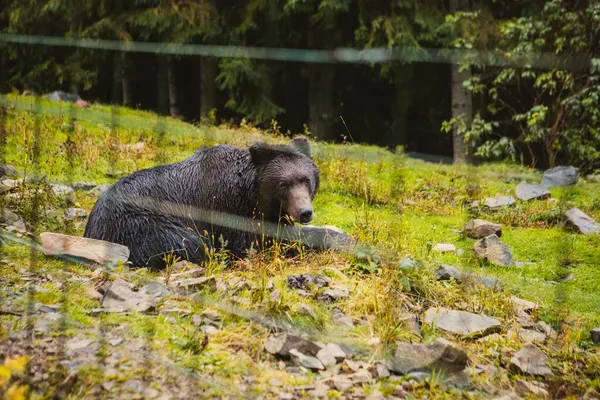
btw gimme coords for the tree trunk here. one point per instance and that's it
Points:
(321, 88)
(162, 86)
(462, 104)
(208, 86)
(172, 81)
(125, 82)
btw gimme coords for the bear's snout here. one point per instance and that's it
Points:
(299, 204)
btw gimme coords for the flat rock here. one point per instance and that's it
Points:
(193, 285)
(305, 361)
(490, 248)
(441, 355)
(61, 190)
(156, 290)
(72, 213)
(582, 222)
(531, 191)
(444, 248)
(560, 176)
(531, 336)
(524, 388)
(498, 202)
(479, 228)
(119, 297)
(8, 217)
(341, 383)
(446, 272)
(281, 344)
(342, 320)
(524, 306)
(98, 190)
(326, 238)
(461, 323)
(335, 293)
(8, 171)
(331, 354)
(530, 360)
(82, 185)
(410, 323)
(8, 185)
(99, 251)
(307, 281)
(379, 370)
(595, 335)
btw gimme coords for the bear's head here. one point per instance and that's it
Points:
(288, 180)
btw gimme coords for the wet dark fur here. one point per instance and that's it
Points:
(250, 183)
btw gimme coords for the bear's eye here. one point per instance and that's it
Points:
(283, 185)
(305, 181)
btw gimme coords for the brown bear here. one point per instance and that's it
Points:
(224, 196)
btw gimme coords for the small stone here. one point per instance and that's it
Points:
(77, 344)
(99, 190)
(529, 191)
(209, 329)
(330, 355)
(444, 248)
(582, 222)
(275, 296)
(479, 228)
(595, 335)
(93, 293)
(560, 176)
(342, 320)
(410, 323)
(156, 290)
(447, 272)
(419, 376)
(532, 336)
(188, 274)
(335, 293)
(379, 371)
(306, 310)
(361, 376)
(498, 202)
(120, 298)
(524, 388)
(82, 185)
(281, 344)
(490, 248)
(530, 360)
(349, 365)
(461, 323)
(306, 361)
(61, 190)
(193, 285)
(8, 171)
(376, 395)
(341, 383)
(544, 327)
(591, 394)
(494, 337)
(440, 355)
(307, 282)
(523, 305)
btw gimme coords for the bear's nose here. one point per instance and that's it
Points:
(306, 215)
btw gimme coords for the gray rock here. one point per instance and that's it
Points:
(335, 293)
(209, 329)
(532, 336)
(331, 354)
(361, 376)
(307, 281)
(582, 222)
(8, 171)
(98, 190)
(525, 389)
(156, 290)
(342, 320)
(82, 185)
(441, 355)
(524, 306)
(410, 323)
(379, 371)
(490, 248)
(119, 297)
(341, 383)
(560, 176)
(44, 323)
(444, 248)
(305, 361)
(530, 191)
(193, 285)
(498, 202)
(281, 344)
(98, 251)
(461, 323)
(530, 360)
(446, 272)
(325, 237)
(544, 327)
(61, 190)
(479, 228)
(8, 185)
(8, 217)
(72, 213)
(595, 335)
(306, 310)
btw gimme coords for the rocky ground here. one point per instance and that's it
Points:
(466, 283)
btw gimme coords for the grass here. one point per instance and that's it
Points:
(399, 206)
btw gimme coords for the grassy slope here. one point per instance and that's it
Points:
(401, 206)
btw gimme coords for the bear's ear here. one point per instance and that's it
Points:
(261, 153)
(301, 144)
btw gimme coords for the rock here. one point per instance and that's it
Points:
(532, 336)
(331, 354)
(440, 355)
(498, 202)
(8, 171)
(120, 298)
(376, 395)
(361, 376)
(281, 344)
(209, 329)
(410, 323)
(306, 310)
(8, 185)
(581, 222)
(490, 248)
(461, 323)
(189, 274)
(524, 389)
(524, 306)
(82, 185)
(546, 328)
(531, 361)
(379, 371)
(349, 365)
(275, 296)
(8, 217)
(446, 272)
(560, 176)
(444, 248)
(98, 190)
(335, 293)
(325, 238)
(342, 320)
(156, 290)
(306, 361)
(75, 213)
(530, 191)
(75, 343)
(99, 251)
(193, 285)
(595, 336)
(307, 281)
(45, 322)
(419, 376)
(61, 190)
(341, 383)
